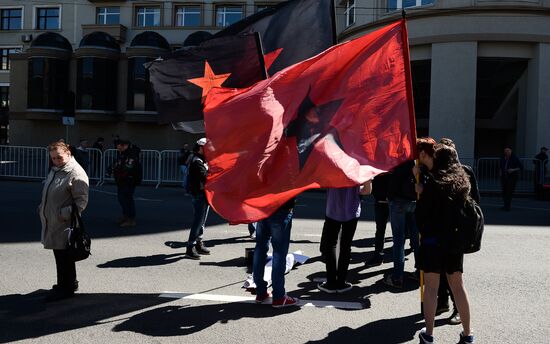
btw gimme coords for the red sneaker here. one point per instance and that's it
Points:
(263, 299)
(285, 301)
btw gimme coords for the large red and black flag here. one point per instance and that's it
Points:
(291, 31)
(181, 81)
(335, 120)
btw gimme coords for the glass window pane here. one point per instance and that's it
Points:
(112, 19)
(392, 5)
(427, 2)
(193, 19)
(409, 3)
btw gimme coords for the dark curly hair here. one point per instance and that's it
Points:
(449, 173)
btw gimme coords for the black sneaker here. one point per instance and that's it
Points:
(388, 280)
(201, 249)
(454, 319)
(376, 259)
(466, 339)
(424, 337)
(192, 253)
(58, 288)
(345, 287)
(327, 288)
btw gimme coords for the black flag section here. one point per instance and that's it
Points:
(181, 80)
(291, 31)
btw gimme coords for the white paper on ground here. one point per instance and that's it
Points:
(292, 259)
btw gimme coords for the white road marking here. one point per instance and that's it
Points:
(135, 198)
(250, 299)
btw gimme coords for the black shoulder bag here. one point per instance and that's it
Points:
(79, 241)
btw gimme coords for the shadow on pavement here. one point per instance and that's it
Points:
(183, 320)
(136, 262)
(398, 330)
(28, 316)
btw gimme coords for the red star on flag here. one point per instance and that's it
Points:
(209, 80)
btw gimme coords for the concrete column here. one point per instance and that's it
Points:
(453, 94)
(537, 120)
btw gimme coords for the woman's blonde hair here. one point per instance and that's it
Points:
(59, 145)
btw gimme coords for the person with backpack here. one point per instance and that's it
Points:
(128, 174)
(445, 189)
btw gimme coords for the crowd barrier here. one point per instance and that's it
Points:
(161, 167)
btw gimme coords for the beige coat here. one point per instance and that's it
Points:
(63, 186)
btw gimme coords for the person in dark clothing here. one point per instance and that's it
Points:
(402, 198)
(380, 185)
(128, 174)
(96, 157)
(82, 155)
(444, 291)
(443, 188)
(510, 168)
(540, 161)
(198, 171)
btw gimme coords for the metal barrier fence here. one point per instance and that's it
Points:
(24, 162)
(170, 170)
(161, 167)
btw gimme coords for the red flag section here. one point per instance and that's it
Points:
(334, 120)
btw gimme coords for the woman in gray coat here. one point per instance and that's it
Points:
(67, 183)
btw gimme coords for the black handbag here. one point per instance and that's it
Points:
(79, 240)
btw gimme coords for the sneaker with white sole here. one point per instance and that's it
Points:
(327, 288)
(344, 288)
(424, 337)
(263, 299)
(285, 301)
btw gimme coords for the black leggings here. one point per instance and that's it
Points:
(336, 274)
(66, 269)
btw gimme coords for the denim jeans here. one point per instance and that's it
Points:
(183, 170)
(125, 193)
(200, 213)
(277, 228)
(402, 220)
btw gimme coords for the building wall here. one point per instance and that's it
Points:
(454, 35)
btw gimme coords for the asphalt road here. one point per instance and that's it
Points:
(138, 287)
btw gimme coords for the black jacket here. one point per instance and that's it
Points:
(127, 168)
(380, 186)
(198, 171)
(401, 182)
(474, 189)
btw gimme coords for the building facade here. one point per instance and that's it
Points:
(85, 59)
(479, 70)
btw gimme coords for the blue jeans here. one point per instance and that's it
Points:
(183, 170)
(277, 228)
(200, 213)
(125, 194)
(402, 220)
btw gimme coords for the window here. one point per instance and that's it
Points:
(108, 15)
(5, 57)
(96, 84)
(4, 99)
(48, 83)
(227, 15)
(47, 18)
(188, 16)
(147, 16)
(350, 12)
(140, 94)
(399, 4)
(11, 19)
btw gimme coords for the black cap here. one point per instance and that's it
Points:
(543, 148)
(122, 142)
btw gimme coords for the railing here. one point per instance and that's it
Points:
(161, 167)
(24, 162)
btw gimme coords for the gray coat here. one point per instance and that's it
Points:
(64, 186)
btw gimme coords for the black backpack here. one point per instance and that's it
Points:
(469, 227)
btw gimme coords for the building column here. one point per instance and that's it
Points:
(537, 119)
(453, 94)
